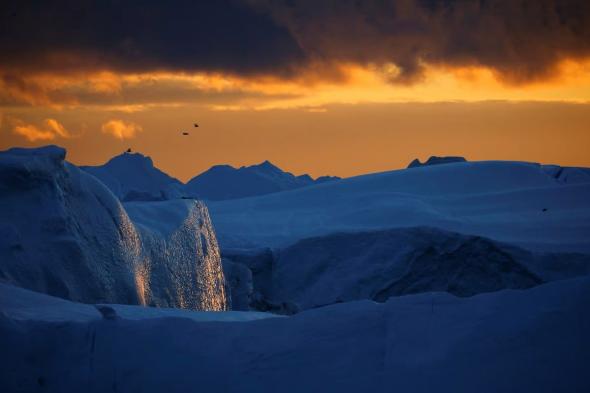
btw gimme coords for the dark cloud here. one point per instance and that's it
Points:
(143, 35)
(522, 40)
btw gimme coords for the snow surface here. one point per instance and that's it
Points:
(502, 200)
(509, 341)
(222, 182)
(21, 304)
(132, 176)
(62, 232)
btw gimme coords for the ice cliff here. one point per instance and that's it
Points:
(62, 232)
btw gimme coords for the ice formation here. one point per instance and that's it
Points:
(62, 232)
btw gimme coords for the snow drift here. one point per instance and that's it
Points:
(62, 232)
(509, 341)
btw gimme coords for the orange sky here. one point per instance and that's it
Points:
(352, 123)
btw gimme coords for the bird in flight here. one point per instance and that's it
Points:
(196, 125)
(185, 133)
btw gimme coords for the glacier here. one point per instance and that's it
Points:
(63, 232)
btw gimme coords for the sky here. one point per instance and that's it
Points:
(334, 87)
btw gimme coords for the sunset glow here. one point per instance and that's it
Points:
(81, 99)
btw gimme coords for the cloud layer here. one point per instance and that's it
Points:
(521, 40)
(149, 35)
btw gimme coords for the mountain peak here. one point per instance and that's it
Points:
(267, 165)
(131, 158)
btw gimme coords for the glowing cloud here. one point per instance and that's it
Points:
(49, 131)
(121, 129)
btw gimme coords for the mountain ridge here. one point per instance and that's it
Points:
(222, 182)
(134, 177)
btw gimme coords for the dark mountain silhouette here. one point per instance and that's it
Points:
(434, 160)
(222, 182)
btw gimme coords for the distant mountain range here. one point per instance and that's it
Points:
(133, 177)
(222, 182)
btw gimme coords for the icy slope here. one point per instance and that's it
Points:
(222, 182)
(62, 232)
(497, 199)
(510, 341)
(380, 264)
(132, 176)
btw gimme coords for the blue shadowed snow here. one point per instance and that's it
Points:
(498, 199)
(523, 341)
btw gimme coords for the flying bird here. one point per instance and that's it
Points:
(185, 133)
(196, 125)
